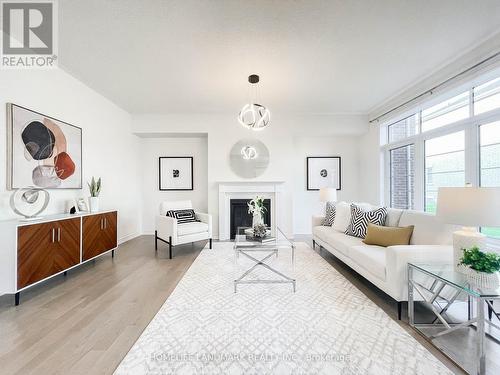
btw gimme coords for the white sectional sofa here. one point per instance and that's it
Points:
(386, 267)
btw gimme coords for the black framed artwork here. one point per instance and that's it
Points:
(42, 151)
(175, 173)
(324, 171)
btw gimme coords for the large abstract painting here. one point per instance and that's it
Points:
(324, 171)
(43, 151)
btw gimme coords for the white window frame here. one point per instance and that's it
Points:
(469, 125)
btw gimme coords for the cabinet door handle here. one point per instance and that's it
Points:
(102, 223)
(105, 223)
(53, 235)
(58, 234)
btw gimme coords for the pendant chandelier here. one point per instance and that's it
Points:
(253, 115)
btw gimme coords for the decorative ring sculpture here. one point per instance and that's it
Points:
(30, 201)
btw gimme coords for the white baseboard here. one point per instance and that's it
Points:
(128, 238)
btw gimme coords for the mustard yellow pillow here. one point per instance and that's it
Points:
(388, 236)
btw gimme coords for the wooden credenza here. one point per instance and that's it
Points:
(53, 245)
(99, 234)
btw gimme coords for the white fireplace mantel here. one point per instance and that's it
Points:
(247, 190)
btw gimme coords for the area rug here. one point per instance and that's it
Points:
(326, 327)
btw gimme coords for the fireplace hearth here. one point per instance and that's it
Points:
(239, 216)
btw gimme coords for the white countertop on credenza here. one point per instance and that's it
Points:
(48, 218)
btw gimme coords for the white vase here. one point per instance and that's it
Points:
(94, 204)
(478, 279)
(465, 239)
(257, 219)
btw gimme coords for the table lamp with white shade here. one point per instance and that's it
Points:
(471, 207)
(328, 194)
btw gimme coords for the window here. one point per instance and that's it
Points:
(487, 97)
(403, 177)
(448, 144)
(489, 142)
(444, 113)
(403, 129)
(444, 165)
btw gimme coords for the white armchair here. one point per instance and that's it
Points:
(173, 233)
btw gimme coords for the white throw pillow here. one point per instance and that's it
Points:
(342, 216)
(365, 206)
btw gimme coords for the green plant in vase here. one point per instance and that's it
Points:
(479, 261)
(95, 190)
(480, 267)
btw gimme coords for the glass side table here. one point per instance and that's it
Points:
(439, 287)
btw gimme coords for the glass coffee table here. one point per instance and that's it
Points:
(261, 255)
(439, 287)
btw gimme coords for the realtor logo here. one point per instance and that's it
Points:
(29, 34)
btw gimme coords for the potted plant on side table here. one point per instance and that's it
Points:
(481, 268)
(95, 189)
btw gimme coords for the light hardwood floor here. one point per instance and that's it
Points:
(86, 322)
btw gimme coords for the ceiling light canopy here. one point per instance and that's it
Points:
(253, 115)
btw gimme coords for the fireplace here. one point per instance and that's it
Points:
(245, 191)
(239, 216)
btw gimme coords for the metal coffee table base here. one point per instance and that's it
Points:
(261, 262)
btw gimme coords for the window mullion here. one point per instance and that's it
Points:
(419, 175)
(472, 155)
(387, 178)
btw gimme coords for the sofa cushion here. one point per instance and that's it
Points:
(371, 258)
(342, 242)
(183, 216)
(342, 216)
(360, 220)
(429, 230)
(191, 228)
(329, 214)
(393, 217)
(321, 232)
(387, 236)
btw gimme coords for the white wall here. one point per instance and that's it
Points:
(223, 131)
(151, 149)
(109, 148)
(370, 171)
(306, 203)
(128, 164)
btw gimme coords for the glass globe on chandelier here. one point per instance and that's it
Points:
(253, 115)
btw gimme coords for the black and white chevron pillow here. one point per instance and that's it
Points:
(183, 216)
(360, 219)
(329, 214)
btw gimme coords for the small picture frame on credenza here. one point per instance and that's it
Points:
(81, 205)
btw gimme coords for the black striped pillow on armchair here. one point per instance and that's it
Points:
(183, 216)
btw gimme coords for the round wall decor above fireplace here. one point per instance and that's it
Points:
(249, 158)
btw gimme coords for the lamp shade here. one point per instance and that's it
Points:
(328, 194)
(469, 206)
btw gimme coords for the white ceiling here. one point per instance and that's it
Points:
(313, 56)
